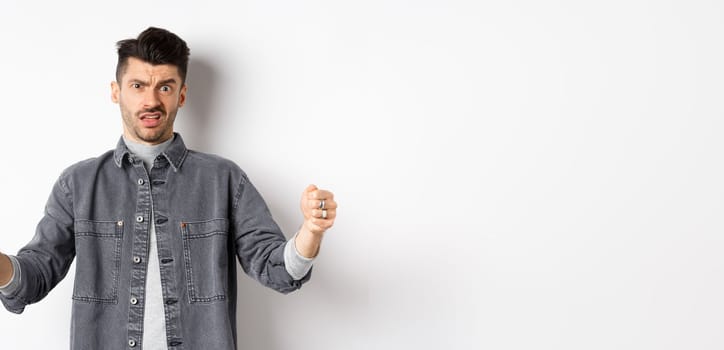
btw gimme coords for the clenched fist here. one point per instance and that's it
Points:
(319, 209)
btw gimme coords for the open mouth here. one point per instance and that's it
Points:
(150, 120)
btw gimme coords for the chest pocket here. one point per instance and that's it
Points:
(206, 259)
(98, 259)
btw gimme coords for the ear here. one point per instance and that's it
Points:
(115, 92)
(182, 96)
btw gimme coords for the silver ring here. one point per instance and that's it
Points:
(324, 213)
(321, 204)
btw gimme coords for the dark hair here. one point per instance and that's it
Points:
(155, 46)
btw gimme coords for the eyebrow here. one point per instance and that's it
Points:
(167, 81)
(145, 83)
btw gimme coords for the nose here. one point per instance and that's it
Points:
(150, 99)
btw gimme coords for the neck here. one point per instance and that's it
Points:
(145, 151)
(128, 137)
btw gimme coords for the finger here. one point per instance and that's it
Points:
(321, 224)
(313, 224)
(328, 204)
(320, 194)
(310, 188)
(318, 213)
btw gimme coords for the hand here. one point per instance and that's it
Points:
(6, 269)
(319, 210)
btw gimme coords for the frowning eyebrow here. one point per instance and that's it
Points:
(170, 81)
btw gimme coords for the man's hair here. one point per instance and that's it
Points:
(155, 46)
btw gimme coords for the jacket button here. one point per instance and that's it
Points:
(136, 259)
(140, 181)
(139, 218)
(131, 343)
(119, 223)
(134, 301)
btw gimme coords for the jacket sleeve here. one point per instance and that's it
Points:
(259, 241)
(46, 259)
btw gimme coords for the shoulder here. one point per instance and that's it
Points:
(88, 166)
(213, 163)
(83, 171)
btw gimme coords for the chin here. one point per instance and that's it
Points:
(150, 137)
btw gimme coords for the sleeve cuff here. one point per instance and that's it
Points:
(297, 266)
(12, 286)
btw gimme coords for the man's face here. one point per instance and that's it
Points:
(149, 97)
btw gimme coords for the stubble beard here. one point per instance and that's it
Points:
(152, 136)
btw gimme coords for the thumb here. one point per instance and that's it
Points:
(310, 188)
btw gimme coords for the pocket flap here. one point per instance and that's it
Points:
(98, 228)
(201, 229)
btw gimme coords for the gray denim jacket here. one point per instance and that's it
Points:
(206, 213)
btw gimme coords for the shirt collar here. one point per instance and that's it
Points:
(175, 153)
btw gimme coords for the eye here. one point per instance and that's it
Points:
(165, 88)
(136, 85)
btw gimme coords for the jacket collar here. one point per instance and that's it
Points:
(175, 153)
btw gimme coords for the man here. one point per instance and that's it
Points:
(154, 227)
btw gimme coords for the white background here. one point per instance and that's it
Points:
(511, 174)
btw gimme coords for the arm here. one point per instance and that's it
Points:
(45, 260)
(260, 244)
